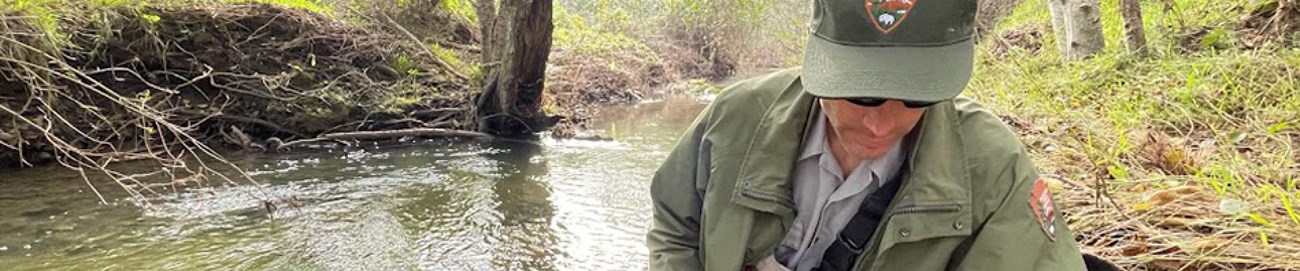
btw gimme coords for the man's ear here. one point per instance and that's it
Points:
(1095, 263)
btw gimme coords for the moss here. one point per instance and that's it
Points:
(398, 103)
(404, 97)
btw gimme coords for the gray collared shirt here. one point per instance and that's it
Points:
(825, 200)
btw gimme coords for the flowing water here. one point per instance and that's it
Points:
(427, 205)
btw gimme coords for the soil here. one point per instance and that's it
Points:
(989, 13)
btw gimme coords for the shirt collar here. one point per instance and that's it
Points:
(815, 144)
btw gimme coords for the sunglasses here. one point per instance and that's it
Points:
(874, 102)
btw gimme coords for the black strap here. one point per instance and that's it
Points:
(853, 239)
(1095, 263)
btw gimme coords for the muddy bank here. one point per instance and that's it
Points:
(136, 82)
(166, 83)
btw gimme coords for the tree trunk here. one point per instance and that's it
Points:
(1085, 27)
(516, 46)
(1077, 24)
(487, 13)
(1135, 38)
(1057, 10)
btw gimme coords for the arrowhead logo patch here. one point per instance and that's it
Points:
(1040, 202)
(886, 15)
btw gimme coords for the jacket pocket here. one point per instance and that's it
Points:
(922, 237)
(917, 223)
(767, 233)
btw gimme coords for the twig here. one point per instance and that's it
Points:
(115, 70)
(227, 87)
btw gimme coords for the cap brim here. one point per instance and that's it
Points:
(911, 73)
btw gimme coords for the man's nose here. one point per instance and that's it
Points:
(875, 119)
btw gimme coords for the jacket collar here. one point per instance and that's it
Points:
(811, 145)
(935, 168)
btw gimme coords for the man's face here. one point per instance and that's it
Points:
(869, 132)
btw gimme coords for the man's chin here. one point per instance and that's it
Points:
(872, 153)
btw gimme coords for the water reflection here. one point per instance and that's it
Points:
(525, 240)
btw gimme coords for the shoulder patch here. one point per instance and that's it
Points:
(1040, 202)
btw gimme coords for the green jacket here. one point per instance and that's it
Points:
(723, 197)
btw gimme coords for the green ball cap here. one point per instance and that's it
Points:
(913, 50)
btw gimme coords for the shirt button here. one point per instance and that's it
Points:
(905, 232)
(958, 225)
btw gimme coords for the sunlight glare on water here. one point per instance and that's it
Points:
(432, 205)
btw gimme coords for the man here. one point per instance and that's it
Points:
(864, 159)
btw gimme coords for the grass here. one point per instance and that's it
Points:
(309, 5)
(448, 56)
(1162, 26)
(460, 8)
(1160, 133)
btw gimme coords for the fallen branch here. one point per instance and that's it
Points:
(296, 143)
(416, 132)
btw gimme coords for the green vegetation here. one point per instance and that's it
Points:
(463, 9)
(616, 51)
(309, 5)
(404, 65)
(573, 33)
(46, 12)
(448, 56)
(1165, 29)
(1171, 136)
(45, 19)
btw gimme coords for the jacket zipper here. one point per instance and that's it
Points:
(936, 208)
